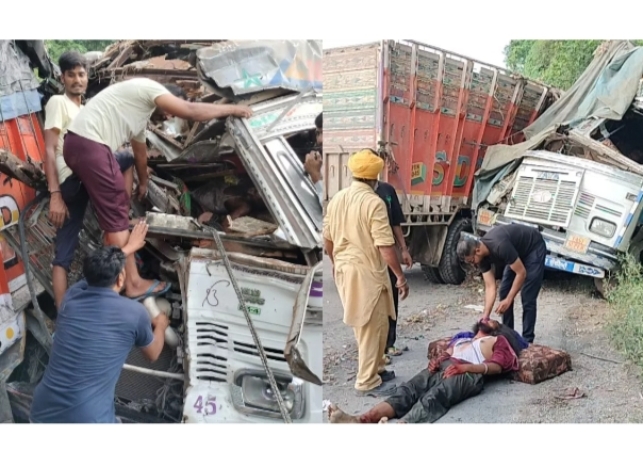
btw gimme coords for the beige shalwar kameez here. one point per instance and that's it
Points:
(357, 223)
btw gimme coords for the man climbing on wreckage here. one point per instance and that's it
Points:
(120, 114)
(68, 198)
(458, 374)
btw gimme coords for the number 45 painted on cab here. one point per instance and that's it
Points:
(210, 407)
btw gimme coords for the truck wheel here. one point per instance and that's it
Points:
(604, 285)
(432, 274)
(450, 268)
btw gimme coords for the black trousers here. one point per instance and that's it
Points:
(392, 323)
(427, 397)
(535, 266)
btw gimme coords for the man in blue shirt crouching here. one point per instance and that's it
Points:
(96, 329)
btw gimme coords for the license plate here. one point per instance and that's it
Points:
(485, 217)
(576, 268)
(577, 243)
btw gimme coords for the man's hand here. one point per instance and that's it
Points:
(241, 111)
(402, 286)
(434, 365)
(142, 191)
(136, 240)
(312, 165)
(454, 370)
(160, 322)
(58, 212)
(503, 306)
(406, 258)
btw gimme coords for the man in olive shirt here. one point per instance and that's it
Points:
(521, 250)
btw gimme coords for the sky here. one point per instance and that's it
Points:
(488, 50)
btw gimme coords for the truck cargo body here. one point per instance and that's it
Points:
(432, 113)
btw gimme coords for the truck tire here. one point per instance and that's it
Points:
(450, 267)
(603, 286)
(432, 274)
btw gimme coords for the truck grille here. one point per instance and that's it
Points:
(211, 351)
(543, 200)
(213, 345)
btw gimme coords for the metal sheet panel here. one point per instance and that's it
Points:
(352, 107)
(252, 66)
(288, 193)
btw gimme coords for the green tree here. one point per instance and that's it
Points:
(57, 48)
(556, 63)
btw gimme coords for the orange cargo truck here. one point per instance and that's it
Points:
(431, 113)
(22, 137)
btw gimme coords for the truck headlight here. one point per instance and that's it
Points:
(252, 394)
(602, 227)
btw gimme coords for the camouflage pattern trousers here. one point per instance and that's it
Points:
(427, 397)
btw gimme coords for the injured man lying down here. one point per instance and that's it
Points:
(454, 376)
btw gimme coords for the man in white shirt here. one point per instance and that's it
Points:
(68, 197)
(66, 209)
(117, 115)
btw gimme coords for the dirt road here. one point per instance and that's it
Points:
(570, 317)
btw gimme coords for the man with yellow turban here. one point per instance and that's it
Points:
(359, 241)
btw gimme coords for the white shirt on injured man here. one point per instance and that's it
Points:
(468, 350)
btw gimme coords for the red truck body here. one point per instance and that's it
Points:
(435, 112)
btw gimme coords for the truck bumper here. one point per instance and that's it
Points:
(590, 264)
(561, 264)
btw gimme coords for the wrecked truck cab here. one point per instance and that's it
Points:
(581, 193)
(264, 147)
(217, 372)
(225, 378)
(578, 176)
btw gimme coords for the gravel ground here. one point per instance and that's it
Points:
(570, 317)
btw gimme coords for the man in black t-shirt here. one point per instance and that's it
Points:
(396, 218)
(521, 251)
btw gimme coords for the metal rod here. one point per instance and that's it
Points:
(253, 332)
(165, 374)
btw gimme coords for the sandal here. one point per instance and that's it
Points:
(393, 351)
(150, 291)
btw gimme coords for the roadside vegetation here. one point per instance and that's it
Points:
(554, 62)
(625, 294)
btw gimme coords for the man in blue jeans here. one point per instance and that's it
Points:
(521, 251)
(96, 329)
(68, 196)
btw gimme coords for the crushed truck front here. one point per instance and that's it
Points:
(579, 183)
(214, 373)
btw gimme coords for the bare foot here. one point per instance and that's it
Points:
(205, 217)
(141, 288)
(335, 415)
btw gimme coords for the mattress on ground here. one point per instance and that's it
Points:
(537, 363)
